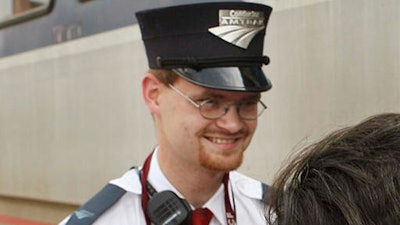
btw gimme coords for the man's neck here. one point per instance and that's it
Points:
(195, 183)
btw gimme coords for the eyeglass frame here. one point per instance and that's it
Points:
(226, 107)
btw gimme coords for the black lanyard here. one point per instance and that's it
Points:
(229, 212)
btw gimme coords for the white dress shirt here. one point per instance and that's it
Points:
(245, 196)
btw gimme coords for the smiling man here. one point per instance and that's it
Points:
(203, 90)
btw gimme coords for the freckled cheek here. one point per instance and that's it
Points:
(191, 127)
(252, 126)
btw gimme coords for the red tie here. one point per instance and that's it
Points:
(201, 216)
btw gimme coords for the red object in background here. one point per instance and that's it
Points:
(9, 220)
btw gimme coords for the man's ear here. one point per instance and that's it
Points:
(151, 89)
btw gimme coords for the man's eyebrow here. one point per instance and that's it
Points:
(252, 97)
(216, 95)
(209, 94)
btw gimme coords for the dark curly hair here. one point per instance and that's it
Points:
(351, 177)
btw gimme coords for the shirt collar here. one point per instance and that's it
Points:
(159, 181)
(157, 178)
(217, 205)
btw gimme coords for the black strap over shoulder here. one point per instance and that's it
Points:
(96, 206)
(265, 188)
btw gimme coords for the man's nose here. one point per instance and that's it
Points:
(231, 120)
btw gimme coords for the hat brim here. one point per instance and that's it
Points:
(248, 79)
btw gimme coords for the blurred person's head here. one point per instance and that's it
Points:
(351, 177)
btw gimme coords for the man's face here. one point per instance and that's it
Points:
(216, 144)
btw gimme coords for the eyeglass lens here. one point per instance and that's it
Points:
(248, 110)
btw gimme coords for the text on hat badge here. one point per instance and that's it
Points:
(238, 27)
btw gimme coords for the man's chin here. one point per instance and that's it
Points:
(222, 163)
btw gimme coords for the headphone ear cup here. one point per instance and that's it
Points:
(168, 208)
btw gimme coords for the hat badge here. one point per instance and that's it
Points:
(238, 27)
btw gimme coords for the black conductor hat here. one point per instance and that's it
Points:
(216, 45)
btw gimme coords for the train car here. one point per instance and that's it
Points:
(71, 111)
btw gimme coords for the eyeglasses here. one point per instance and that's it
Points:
(213, 108)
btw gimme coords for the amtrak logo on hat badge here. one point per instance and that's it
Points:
(238, 27)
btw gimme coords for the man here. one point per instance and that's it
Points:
(203, 90)
(350, 177)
